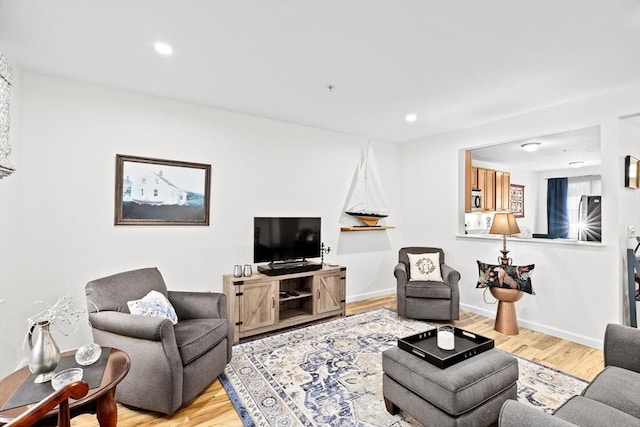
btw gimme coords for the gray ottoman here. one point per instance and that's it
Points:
(469, 393)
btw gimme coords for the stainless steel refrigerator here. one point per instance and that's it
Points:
(590, 219)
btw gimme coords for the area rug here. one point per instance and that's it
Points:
(331, 374)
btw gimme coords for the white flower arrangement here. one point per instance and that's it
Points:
(62, 316)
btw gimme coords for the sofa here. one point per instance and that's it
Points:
(612, 398)
(170, 364)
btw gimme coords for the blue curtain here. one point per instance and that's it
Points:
(557, 211)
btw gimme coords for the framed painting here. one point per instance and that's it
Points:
(516, 200)
(631, 178)
(161, 192)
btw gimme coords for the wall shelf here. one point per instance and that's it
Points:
(379, 227)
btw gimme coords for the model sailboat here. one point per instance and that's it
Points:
(367, 202)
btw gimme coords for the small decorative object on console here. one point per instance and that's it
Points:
(247, 271)
(237, 270)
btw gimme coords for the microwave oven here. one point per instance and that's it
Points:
(476, 199)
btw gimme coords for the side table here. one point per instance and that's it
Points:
(506, 320)
(100, 400)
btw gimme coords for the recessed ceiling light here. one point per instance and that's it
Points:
(163, 48)
(576, 164)
(530, 146)
(410, 118)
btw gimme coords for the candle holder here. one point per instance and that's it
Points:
(446, 337)
(237, 270)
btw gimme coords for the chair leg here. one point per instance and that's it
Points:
(391, 407)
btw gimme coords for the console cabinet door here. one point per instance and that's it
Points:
(329, 293)
(258, 305)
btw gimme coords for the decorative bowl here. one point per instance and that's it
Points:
(88, 354)
(65, 377)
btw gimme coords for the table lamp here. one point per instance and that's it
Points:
(504, 223)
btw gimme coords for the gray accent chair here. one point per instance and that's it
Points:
(612, 398)
(170, 365)
(427, 299)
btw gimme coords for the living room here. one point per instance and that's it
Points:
(56, 211)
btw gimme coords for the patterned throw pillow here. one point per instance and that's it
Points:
(425, 267)
(505, 276)
(154, 304)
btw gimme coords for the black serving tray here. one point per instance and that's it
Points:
(425, 346)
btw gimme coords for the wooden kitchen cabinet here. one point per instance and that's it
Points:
(503, 185)
(487, 185)
(494, 186)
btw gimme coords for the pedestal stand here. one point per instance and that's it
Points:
(506, 320)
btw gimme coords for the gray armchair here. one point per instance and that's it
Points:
(433, 300)
(170, 365)
(610, 400)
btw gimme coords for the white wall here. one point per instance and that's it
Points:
(579, 287)
(63, 206)
(12, 316)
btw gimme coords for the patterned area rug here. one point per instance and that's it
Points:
(331, 374)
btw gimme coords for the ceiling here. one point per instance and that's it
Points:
(555, 151)
(453, 63)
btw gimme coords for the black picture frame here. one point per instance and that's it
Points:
(152, 191)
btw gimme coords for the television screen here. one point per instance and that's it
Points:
(283, 239)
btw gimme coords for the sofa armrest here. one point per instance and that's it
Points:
(199, 305)
(203, 305)
(621, 347)
(400, 271)
(450, 276)
(130, 325)
(516, 414)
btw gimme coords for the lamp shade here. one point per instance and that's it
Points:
(504, 223)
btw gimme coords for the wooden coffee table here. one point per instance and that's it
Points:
(99, 400)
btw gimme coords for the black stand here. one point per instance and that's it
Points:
(323, 250)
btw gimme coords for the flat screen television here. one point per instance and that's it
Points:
(285, 239)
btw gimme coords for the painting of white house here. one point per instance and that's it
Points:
(154, 191)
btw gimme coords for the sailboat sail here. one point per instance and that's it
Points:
(367, 198)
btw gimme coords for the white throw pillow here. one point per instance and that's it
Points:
(425, 267)
(154, 304)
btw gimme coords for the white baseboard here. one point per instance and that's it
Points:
(367, 295)
(545, 329)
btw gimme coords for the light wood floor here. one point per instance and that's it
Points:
(213, 407)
